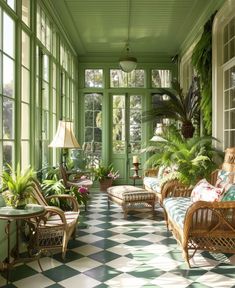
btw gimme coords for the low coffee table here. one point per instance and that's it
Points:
(131, 198)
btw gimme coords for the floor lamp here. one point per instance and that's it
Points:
(65, 139)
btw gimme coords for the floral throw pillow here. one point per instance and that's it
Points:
(204, 191)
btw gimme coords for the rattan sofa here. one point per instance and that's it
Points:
(202, 225)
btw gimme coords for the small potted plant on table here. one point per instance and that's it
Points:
(17, 186)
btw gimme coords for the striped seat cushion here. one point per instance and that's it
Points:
(129, 193)
(176, 208)
(55, 220)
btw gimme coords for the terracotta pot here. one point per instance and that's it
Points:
(105, 184)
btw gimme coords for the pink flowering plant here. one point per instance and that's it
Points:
(105, 172)
(81, 194)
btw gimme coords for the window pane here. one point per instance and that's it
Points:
(54, 101)
(26, 12)
(161, 78)
(120, 79)
(232, 98)
(45, 95)
(46, 68)
(232, 119)
(48, 35)
(25, 89)
(38, 22)
(94, 78)
(8, 35)
(25, 121)
(25, 152)
(8, 76)
(8, 153)
(93, 126)
(54, 44)
(8, 127)
(25, 49)
(11, 3)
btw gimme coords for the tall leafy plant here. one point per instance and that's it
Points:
(178, 106)
(202, 62)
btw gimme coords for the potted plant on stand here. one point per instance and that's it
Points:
(17, 186)
(105, 175)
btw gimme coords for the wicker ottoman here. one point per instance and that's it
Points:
(131, 198)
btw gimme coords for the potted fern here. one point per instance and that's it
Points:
(17, 186)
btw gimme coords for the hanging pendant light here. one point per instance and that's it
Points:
(127, 62)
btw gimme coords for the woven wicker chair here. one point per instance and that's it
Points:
(57, 226)
(73, 183)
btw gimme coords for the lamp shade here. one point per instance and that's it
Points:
(127, 63)
(157, 138)
(64, 137)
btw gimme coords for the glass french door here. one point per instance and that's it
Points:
(126, 133)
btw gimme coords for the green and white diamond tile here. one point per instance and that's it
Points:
(110, 251)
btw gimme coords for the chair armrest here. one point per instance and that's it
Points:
(49, 210)
(57, 211)
(72, 199)
(210, 218)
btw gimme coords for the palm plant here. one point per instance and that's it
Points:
(195, 158)
(180, 107)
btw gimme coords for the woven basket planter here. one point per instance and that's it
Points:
(105, 184)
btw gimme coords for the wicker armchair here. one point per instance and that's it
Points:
(73, 183)
(57, 226)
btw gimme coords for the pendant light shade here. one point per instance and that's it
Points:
(64, 137)
(127, 63)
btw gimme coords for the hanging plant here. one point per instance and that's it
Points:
(202, 62)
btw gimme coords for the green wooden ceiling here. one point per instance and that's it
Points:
(99, 28)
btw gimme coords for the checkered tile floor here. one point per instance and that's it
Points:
(110, 251)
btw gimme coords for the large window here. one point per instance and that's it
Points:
(7, 92)
(34, 102)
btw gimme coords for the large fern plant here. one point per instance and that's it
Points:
(195, 158)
